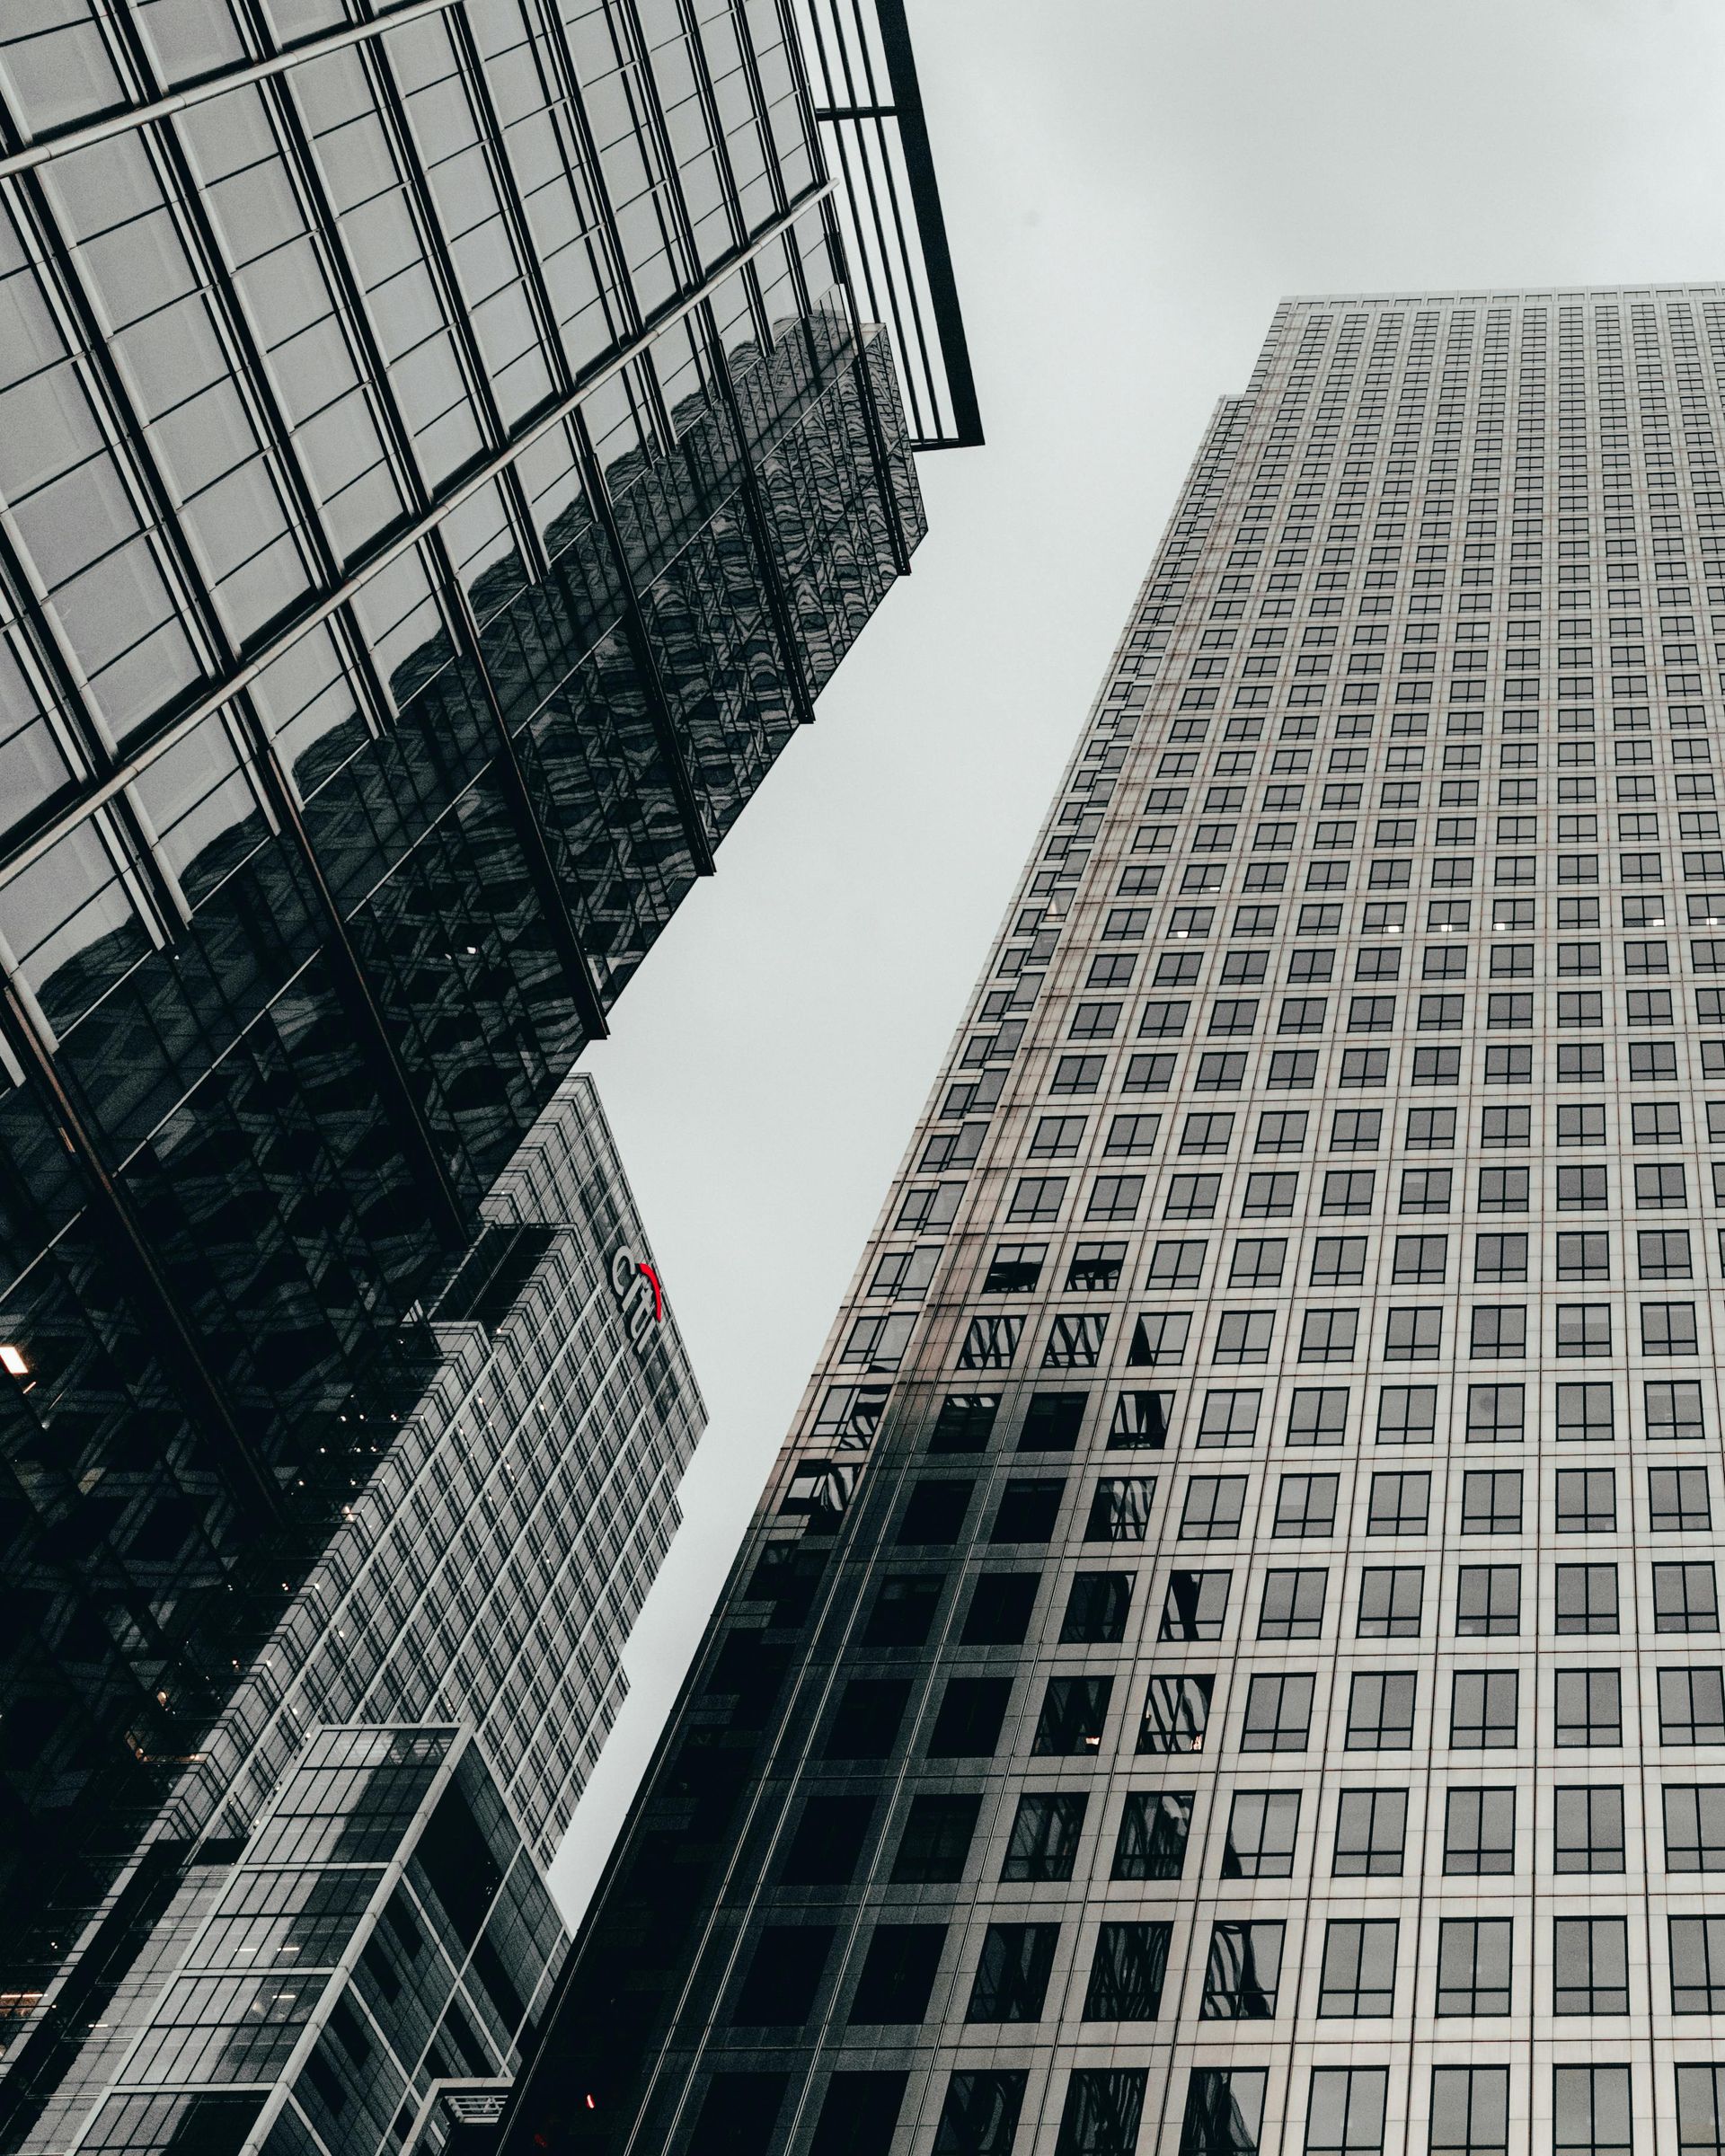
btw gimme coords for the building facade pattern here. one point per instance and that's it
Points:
(441, 467)
(383, 1932)
(487, 1578)
(1229, 1659)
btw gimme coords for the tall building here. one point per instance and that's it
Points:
(1230, 1658)
(476, 1594)
(441, 461)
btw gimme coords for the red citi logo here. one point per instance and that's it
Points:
(639, 1293)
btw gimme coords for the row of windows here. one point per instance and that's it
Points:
(1247, 1970)
(1484, 1709)
(1583, 1500)
(1389, 1602)
(1585, 1413)
(1102, 2111)
(1260, 1839)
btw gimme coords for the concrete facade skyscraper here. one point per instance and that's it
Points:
(1230, 1658)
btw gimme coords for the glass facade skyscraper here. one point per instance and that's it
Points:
(440, 463)
(1230, 1658)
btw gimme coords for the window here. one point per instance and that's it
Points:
(903, 1612)
(738, 2114)
(1224, 2112)
(1694, 1827)
(1380, 1710)
(859, 2113)
(1191, 1198)
(1660, 1186)
(1229, 1419)
(1096, 1607)
(1586, 1500)
(1470, 2111)
(1414, 1334)
(1673, 1413)
(1356, 1978)
(1257, 1264)
(934, 1511)
(1128, 1972)
(1590, 2111)
(1701, 2110)
(1318, 1415)
(1344, 2111)
(1686, 1598)
(1390, 1598)
(1692, 1706)
(1176, 1266)
(1500, 1258)
(1271, 1196)
(1011, 1976)
(1151, 1843)
(1587, 1829)
(968, 1724)
(1398, 1504)
(1407, 1414)
(1584, 1257)
(1120, 1509)
(1028, 1509)
(1044, 1840)
(1585, 1414)
(1581, 1189)
(1586, 1598)
(1243, 1336)
(783, 1975)
(1037, 1197)
(1306, 1504)
(1281, 1132)
(1262, 1825)
(1279, 1714)
(1589, 1966)
(1338, 1260)
(1115, 1198)
(999, 1614)
(1244, 1972)
(1073, 1712)
(1016, 1269)
(1487, 1601)
(897, 1974)
(1676, 1500)
(1583, 1329)
(1195, 1604)
(1356, 1129)
(1292, 1605)
(1213, 1508)
(867, 1719)
(1483, 1710)
(1474, 1964)
(1420, 1259)
(1328, 1336)
(1371, 1833)
(1423, 1190)
(964, 1422)
(1668, 1328)
(1491, 1501)
(1095, 1268)
(1588, 1707)
(1495, 1414)
(981, 2112)
(1479, 1833)
(1101, 2116)
(1052, 1422)
(1346, 1190)
(1176, 1714)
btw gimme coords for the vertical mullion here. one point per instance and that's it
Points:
(393, 110)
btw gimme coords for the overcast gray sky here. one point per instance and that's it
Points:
(1131, 186)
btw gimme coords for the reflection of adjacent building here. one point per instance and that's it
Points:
(484, 1578)
(443, 464)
